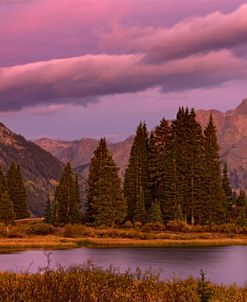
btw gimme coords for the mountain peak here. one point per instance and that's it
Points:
(242, 108)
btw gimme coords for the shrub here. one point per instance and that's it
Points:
(41, 229)
(128, 224)
(178, 226)
(78, 230)
(137, 225)
(153, 226)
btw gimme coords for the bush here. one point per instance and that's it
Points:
(78, 230)
(41, 229)
(18, 231)
(128, 224)
(178, 226)
(137, 225)
(153, 226)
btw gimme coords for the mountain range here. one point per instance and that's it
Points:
(232, 138)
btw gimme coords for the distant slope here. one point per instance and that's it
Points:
(232, 137)
(40, 169)
(80, 152)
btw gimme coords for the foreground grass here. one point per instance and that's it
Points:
(90, 284)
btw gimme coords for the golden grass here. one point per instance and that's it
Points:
(126, 242)
(56, 242)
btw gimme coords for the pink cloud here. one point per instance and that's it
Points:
(81, 80)
(195, 35)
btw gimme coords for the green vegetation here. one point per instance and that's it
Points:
(66, 205)
(89, 283)
(106, 203)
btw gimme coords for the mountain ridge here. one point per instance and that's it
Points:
(231, 131)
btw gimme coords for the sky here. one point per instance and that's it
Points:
(90, 68)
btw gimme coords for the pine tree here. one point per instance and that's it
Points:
(66, 200)
(48, 210)
(154, 213)
(140, 212)
(7, 214)
(241, 200)
(194, 174)
(228, 194)
(157, 146)
(171, 190)
(107, 201)
(100, 154)
(3, 185)
(136, 174)
(213, 200)
(17, 191)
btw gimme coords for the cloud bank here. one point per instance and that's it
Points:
(195, 53)
(82, 80)
(197, 35)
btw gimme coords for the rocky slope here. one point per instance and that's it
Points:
(232, 138)
(40, 169)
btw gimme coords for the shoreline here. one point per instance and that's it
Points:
(58, 242)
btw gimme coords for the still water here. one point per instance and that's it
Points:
(221, 264)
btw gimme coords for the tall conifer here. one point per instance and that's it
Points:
(17, 191)
(136, 174)
(107, 203)
(228, 194)
(213, 207)
(67, 204)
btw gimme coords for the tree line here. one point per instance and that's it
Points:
(174, 173)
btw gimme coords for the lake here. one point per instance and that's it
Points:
(221, 264)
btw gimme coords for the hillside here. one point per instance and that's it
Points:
(40, 169)
(232, 137)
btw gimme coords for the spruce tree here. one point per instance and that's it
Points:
(100, 154)
(170, 190)
(48, 210)
(3, 185)
(241, 199)
(154, 213)
(17, 191)
(228, 194)
(213, 199)
(7, 214)
(136, 174)
(107, 201)
(140, 211)
(66, 200)
(157, 146)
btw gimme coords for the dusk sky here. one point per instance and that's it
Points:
(90, 68)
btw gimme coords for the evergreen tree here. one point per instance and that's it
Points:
(228, 194)
(66, 199)
(157, 146)
(48, 210)
(140, 212)
(213, 200)
(3, 185)
(7, 214)
(154, 213)
(107, 203)
(100, 154)
(241, 200)
(136, 174)
(171, 191)
(17, 191)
